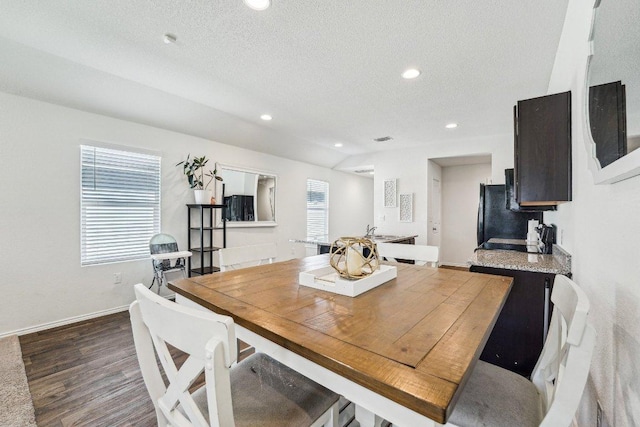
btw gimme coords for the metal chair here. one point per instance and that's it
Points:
(257, 391)
(497, 397)
(421, 254)
(166, 258)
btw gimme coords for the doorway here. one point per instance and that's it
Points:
(454, 187)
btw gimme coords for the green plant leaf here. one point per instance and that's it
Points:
(194, 171)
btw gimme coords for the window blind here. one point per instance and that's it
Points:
(120, 204)
(317, 209)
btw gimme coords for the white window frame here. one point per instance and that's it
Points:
(119, 203)
(318, 185)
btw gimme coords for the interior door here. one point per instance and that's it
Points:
(435, 208)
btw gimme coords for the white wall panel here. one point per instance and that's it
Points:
(40, 208)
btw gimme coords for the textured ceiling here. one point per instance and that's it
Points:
(327, 71)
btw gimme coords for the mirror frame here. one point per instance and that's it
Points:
(245, 224)
(625, 167)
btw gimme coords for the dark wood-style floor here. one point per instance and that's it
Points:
(87, 374)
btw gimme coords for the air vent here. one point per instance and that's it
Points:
(383, 139)
(364, 171)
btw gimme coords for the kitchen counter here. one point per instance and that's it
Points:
(376, 238)
(386, 238)
(324, 244)
(557, 263)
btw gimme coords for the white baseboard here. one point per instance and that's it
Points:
(63, 322)
(69, 320)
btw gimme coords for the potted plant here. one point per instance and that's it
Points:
(196, 175)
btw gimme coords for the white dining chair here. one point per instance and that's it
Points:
(420, 254)
(257, 391)
(247, 256)
(497, 397)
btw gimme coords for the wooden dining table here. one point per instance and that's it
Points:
(401, 351)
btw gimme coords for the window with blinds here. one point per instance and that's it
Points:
(120, 204)
(317, 209)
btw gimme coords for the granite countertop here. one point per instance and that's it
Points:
(559, 262)
(376, 238)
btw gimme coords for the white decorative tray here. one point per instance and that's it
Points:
(327, 279)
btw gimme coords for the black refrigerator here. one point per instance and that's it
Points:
(495, 220)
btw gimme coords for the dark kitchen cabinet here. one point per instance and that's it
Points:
(518, 335)
(512, 205)
(542, 133)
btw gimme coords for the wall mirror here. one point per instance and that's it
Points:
(613, 90)
(249, 195)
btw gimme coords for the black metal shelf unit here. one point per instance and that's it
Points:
(202, 246)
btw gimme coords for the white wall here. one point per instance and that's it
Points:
(40, 209)
(460, 198)
(410, 168)
(602, 230)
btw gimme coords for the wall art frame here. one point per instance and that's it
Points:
(390, 194)
(406, 207)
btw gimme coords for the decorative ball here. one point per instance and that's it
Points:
(348, 259)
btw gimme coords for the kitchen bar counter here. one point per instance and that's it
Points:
(376, 238)
(557, 263)
(324, 244)
(518, 336)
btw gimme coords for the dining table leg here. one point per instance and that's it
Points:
(367, 418)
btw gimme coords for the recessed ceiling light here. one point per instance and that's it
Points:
(338, 144)
(371, 173)
(266, 117)
(451, 126)
(169, 38)
(258, 4)
(411, 73)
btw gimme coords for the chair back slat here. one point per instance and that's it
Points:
(573, 305)
(169, 321)
(247, 256)
(421, 254)
(571, 381)
(147, 360)
(563, 365)
(157, 322)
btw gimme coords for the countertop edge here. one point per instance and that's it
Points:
(557, 263)
(327, 243)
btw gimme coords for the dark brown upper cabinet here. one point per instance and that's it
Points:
(543, 150)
